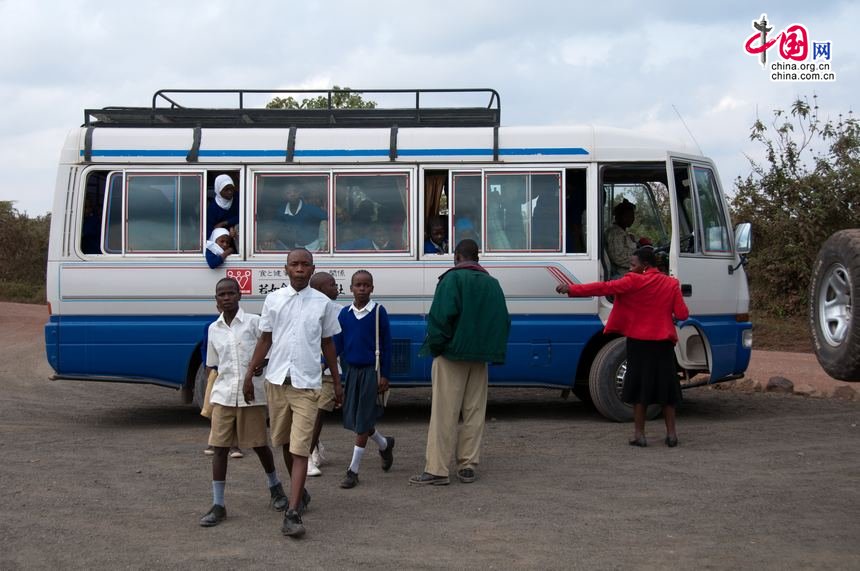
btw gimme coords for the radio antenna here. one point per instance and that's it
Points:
(688, 129)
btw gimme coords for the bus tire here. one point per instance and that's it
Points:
(834, 315)
(605, 380)
(200, 386)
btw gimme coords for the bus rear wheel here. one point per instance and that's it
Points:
(606, 379)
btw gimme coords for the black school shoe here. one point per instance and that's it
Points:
(280, 501)
(214, 516)
(350, 480)
(292, 526)
(387, 454)
(428, 479)
(466, 475)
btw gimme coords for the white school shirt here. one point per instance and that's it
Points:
(364, 311)
(230, 348)
(298, 321)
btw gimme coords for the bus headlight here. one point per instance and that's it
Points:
(746, 338)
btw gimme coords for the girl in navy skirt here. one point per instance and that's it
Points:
(357, 345)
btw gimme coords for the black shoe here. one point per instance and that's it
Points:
(280, 501)
(214, 516)
(387, 454)
(293, 526)
(350, 480)
(671, 441)
(640, 442)
(304, 501)
(428, 479)
(466, 475)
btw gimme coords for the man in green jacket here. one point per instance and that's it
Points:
(467, 327)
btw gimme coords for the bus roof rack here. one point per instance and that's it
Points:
(172, 114)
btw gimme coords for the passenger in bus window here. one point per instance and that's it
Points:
(223, 212)
(620, 244)
(380, 238)
(436, 242)
(464, 229)
(302, 221)
(219, 246)
(268, 240)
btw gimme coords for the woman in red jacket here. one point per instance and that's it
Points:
(646, 304)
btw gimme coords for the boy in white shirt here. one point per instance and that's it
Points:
(232, 339)
(297, 322)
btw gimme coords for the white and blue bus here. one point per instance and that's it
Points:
(130, 291)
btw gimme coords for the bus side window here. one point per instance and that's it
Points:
(466, 200)
(544, 206)
(523, 212)
(220, 211)
(686, 214)
(371, 212)
(113, 215)
(436, 213)
(291, 212)
(91, 220)
(575, 210)
(163, 213)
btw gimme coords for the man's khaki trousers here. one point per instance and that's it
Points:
(458, 387)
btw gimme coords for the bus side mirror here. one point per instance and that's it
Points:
(743, 238)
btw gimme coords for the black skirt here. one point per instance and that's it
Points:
(360, 411)
(651, 376)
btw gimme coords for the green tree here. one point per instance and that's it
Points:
(807, 187)
(24, 259)
(342, 100)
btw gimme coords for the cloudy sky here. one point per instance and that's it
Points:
(615, 63)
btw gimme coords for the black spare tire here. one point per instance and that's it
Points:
(834, 293)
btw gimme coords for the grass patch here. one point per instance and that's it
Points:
(19, 292)
(772, 333)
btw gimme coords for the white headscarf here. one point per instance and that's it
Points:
(212, 245)
(221, 181)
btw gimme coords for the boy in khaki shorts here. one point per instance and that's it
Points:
(297, 322)
(231, 341)
(324, 282)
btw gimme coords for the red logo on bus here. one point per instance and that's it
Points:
(243, 277)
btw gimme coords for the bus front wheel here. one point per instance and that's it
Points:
(606, 379)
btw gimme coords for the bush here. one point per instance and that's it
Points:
(24, 260)
(807, 188)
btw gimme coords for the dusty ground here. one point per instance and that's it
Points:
(112, 476)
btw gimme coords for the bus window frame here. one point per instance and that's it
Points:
(536, 168)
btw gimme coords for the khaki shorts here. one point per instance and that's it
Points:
(326, 401)
(242, 425)
(292, 415)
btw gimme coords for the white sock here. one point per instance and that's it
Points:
(379, 439)
(357, 453)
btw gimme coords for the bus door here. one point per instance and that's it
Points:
(702, 256)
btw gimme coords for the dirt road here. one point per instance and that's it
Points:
(112, 476)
